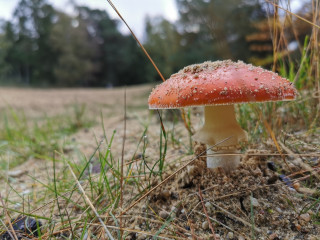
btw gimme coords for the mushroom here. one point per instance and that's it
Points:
(217, 86)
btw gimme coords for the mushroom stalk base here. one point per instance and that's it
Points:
(215, 159)
(222, 131)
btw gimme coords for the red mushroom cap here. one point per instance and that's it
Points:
(220, 82)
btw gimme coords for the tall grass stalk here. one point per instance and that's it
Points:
(162, 149)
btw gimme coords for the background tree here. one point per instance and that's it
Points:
(164, 42)
(216, 29)
(69, 39)
(30, 41)
(41, 46)
(206, 30)
(119, 59)
(4, 47)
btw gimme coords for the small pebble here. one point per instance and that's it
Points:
(254, 202)
(208, 205)
(68, 149)
(273, 236)
(241, 237)
(278, 210)
(311, 212)
(191, 170)
(16, 173)
(164, 214)
(257, 172)
(296, 185)
(217, 237)
(141, 237)
(205, 225)
(174, 209)
(25, 192)
(230, 235)
(305, 217)
(165, 194)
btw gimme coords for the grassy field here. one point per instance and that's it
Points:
(98, 164)
(52, 140)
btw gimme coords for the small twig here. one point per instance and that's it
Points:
(299, 160)
(149, 218)
(245, 191)
(89, 202)
(122, 158)
(235, 217)
(194, 207)
(276, 143)
(69, 221)
(315, 169)
(188, 219)
(204, 190)
(306, 177)
(207, 216)
(220, 223)
(168, 237)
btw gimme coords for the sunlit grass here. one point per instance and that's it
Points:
(22, 139)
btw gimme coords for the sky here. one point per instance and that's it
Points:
(133, 11)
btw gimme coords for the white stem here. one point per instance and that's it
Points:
(220, 124)
(227, 162)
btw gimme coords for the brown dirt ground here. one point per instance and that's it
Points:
(250, 203)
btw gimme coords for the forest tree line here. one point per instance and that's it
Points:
(43, 46)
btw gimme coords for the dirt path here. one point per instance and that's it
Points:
(35, 102)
